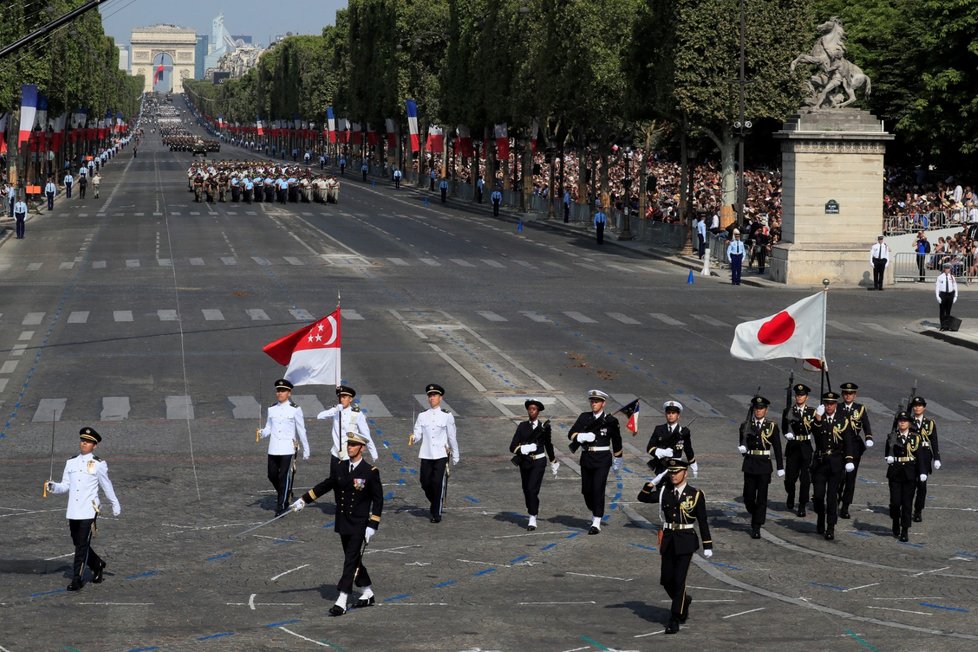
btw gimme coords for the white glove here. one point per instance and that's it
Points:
(937, 465)
(305, 455)
(369, 533)
(780, 473)
(742, 449)
(298, 505)
(455, 460)
(923, 477)
(695, 468)
(616, 464)
(663, 453)
(789, 435)
(657, 479)
(526, 449)
(116, 511)
(850, 467)
(869, 443)
(820, 410)
(585, 436)
(50, 486)
(554, 467)
(890, 459)
(707, 553)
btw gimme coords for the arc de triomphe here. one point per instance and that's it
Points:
(147, 43)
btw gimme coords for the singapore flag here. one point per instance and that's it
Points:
(798, 331)
(311, 353)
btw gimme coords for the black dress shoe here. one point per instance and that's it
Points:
(76, 584)
(531, 527)
(896, 529)
(365, 602)
(755, 533)
(436, 519)
(789, 504)
(917, 517)
(904, 536)
(844, 514)
(673, 626)
(686, 602)
(594, 530)
(830, 534)
(336, 610)
(801, 512)
(97, 574)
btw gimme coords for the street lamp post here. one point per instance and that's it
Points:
(626, 230)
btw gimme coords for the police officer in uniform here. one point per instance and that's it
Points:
(532, 448)
(435, 429)
(759, 437)
(680, 505)
(859, 420)
(902, 473)
(20, 217)
(359, 503)
(834, 445)
(669, 440)
(84, 474)
(929, 455)
(284, 424)
(796, 423)
(598, 436)
(347, 418)
(496, 198)
(443, 188)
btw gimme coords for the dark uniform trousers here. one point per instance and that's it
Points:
(359, 502)
(81, 535)
(926, 454)
(281, 472)
(433, 483)
(595, 465)
(827, 471)
(860, 423)
(902, 477)
(678, 546)
(532, 470)
(798, 454)
(757, 468)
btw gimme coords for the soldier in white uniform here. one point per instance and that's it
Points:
(283, 426)
(347, 418)
(435, 429)
(83, 475)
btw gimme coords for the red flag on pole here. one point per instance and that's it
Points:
(311, 353)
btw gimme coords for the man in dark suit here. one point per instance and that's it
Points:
(532, 448)
(359, 502)
(859, 420)
(670, 440)
(902, 472)
(796, 423)
(679, 506)
(598, 436)
(928, 455)
(759, 437)
(834, 449)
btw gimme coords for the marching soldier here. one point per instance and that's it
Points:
(532, 448)
(359, 503)
(929, 455)
(435, 429)
(834, 445)
(759, 436)
(598, 436)
(84, 474)
(284, 424)
(347, 418)
(859, 420)
(670, 440)
(796, 423)
(679, 506)
(903, 446)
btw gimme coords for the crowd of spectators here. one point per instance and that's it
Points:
(913, 202)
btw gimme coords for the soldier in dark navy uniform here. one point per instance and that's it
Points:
(681, 508)
(598, 436)
(359, 503)
(532, 448)
(834, 443)
(668, 440)
(859, 422)
(759, 437)
(902, 472)
(929, 456)
(796, 424)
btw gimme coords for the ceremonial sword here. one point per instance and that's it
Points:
(44, 491)
(285, 513)
(258, 430)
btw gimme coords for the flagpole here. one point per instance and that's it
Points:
(825, 314)
(337, 366)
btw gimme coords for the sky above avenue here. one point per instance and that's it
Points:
(262, 19)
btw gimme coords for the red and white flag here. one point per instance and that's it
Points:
(311, 353)
(798, 331)
(464, 141)
(502, 141)
(534, 134)
(436, 139)
(391, 133)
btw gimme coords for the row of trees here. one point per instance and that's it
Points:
(75, 66)
(594, 73)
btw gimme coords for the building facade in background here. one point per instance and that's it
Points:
(165, 55)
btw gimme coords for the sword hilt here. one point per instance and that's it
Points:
(44, 490)
(257, 435)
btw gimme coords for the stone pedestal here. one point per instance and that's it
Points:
(832, 197)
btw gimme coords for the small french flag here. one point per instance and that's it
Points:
(631, 411)
(412, 116)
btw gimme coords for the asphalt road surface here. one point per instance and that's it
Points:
(143, 314)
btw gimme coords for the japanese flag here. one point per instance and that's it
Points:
(311, 353)
(798, 331)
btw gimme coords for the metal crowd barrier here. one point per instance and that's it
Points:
(906, 266)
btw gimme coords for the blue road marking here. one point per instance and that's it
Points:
(472, 499)
(43, 593)
(388, 495)
(143, 649)
(213, 636)
(643, 546)
(282, 623)
(330, 524)
(549, 546)
(137, 576)
(572, 535)
(720, 564)
(387, 444)
(484, 571)
(221, 556)
(280, 541)
(518, 559)
(402, 482)
(399, 596)
(944, 607)
(442, 585)
(833, 587)
(397, 458)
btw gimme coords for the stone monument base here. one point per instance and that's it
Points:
(808, 264)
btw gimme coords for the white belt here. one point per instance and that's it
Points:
(537, 456)
(763, 452)
(678, 526)
(596, 449)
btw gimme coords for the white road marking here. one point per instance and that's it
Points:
(666, 319)
(283, 574)
(132, 262)
(373, 407)
(212, 314)
(906, 611)
(164, 262)
(167, 315)
(493, 263)
(244, 407)
(98, 264)
(122, 315)
(67, 265)
(579, 317)
(625, 319)
(33, 319)
(352, 315)
(491, 316)
(293, 260)
(25, 335)
(864, 586)
(461, 262)
(78, 317)
(229, 260)
(261, 261)
(8, 366)
(535, 316)
(936, 570)
(179, 407)
(842, 327)
(430, 262)
(114, 408)
(555, 603)
(309, 403)
(49, 409)
(601, 577)
(197, 262)
(256, 314)
(943, 412)
(304, 638)
(400, 262)
(743, 613)
(301, 314)
(710, 320)
(33, 267)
